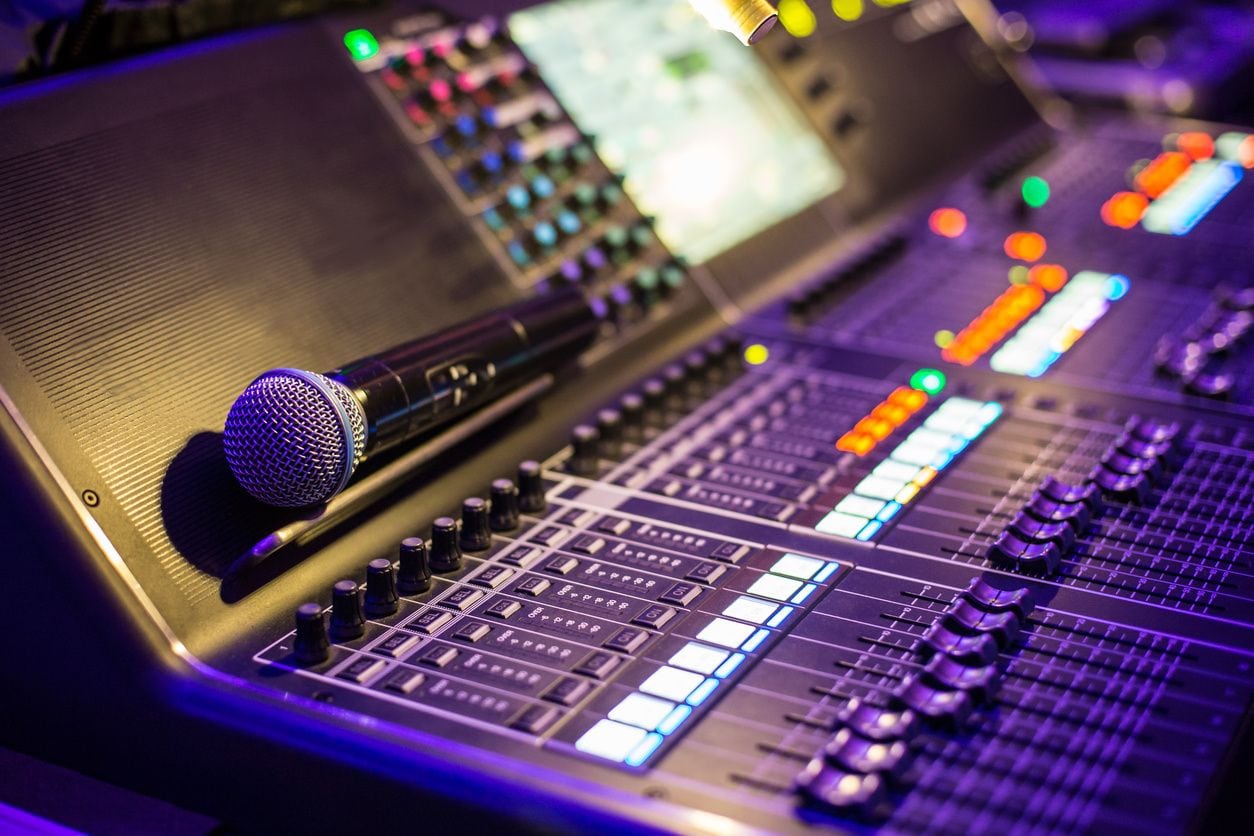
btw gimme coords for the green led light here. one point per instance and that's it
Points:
(930, 381)
(361, 44)
(1035, 191)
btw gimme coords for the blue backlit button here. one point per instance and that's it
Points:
(542, 187)
(876, 722)
(518, 253)
(836, 790)
(675, 719)
(965, 617)
(545, 234)
(534, 719)
(681, 594)
(1121, 486)
(849, 750)
(641, 710)
(644, 749)
(671, 683)
(796, 566)
(626, 640)
(466, 125)
(1013, 552)
(948, 710)
(568, 691)
(568, 222)
(753, 610)
(988, 597)
(699, 657)
(980, 682)
(655, 616)
(775, 587)
(706, 573)
(518, 198)
(725, 633)
(599, 664)
(493, 219)
(974, 650)
(610, 740)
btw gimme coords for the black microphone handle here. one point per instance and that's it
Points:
(413, 387)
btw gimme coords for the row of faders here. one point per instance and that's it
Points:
(551, 209)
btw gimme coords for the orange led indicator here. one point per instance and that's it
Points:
(1025, 246)
(890, 412)
(947, 222)
(854, 442)
(1197, 145)
(911, 400)
(1163, 171)
(877, 428)
(1124, 209)
(1050, 277)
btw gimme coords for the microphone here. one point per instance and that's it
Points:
(294, 437)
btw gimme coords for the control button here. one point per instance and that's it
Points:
(1059, 491)
(362, 669)
(981, 682)
(471, 631)
(965, 617)
(533, 586)
(706, 573)
(503, 506)
(1149, 430)
(729, 552)
(947, 709)
(574, 517)
(522, 556)
(1121, 486)
(838, 791)
(671, 683)
(1014, 552)
(610, 428)
(404, 681)
(492, 577)
(397, 645)
(654, 617)
(1027, 527)
(1043, 508)
(988, 597)
(1119, 462)
(428, 621)
(534, 719)
(347, 622)
(446, 554)
(599, 664)
(1133, 446)
(310, 645)
(627, 640)
(381, 598)
(855, 753)
(877, 723)
(475, 534)
(631, 407)
(531, 499)
(587, 544)
(550, 536)
(414, 573)
(504, 609)
(975, 650)
(462, 598)
(681, 594)
(438, 656)
(561, 564)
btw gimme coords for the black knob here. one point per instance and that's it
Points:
(311, 635)
(610, 426)
(696, 366)
(346, 619)
(475, 535)
(676, 386)
(654, 392)
(503, 512)
(446, 554)
(414, 575)
(733, 355)
(585, 442)
(531, 499)
(714, 371)
(631, 407)
(381, 598)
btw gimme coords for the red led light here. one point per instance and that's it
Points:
(947, 222)
(440, 90)
(1051, 277)
(1125, 209)
(1197, 145)
(1025, 246)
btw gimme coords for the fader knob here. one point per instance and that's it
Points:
(414, 574)
(475, 535)
(585, 442)
(311, 644)
(503, 511)
(610, 426)
(446, 554)
(531, 499)
(381, 598)
(346, 619)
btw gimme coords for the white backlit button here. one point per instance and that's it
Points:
(698, 657)
(776, 587)
(858, 506)
(889, 469)
(796, 566)
(610, 740)
(642, 711)
(671, 683)
(753, 610)
(724, 633)
(879, 487)
(841, 525)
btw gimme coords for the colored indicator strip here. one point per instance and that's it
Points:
(895, 482)
(1009, 309)
(1191, 198)
(887, 416)
(1063, 320)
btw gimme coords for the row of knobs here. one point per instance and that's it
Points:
(385, 583)
(659, 400)
(819, 295)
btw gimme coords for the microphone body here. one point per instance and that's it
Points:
(294, 438)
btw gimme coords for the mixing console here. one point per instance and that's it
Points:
(910, 494)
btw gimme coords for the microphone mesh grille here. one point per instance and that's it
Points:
(293, 438)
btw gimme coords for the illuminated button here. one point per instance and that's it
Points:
(610, 740)
(725, 633)
(753, 642)
(907, 493)
(796, 566)
(889, 510)
(892, 413)
(545, 234)
(855, 442)
(672, 683)
(702, 692)
(518, 253)
(493, 219)
(896, 471)
(925, 475)
(568, 222)
(775, 587)
(729, 667)
(871, 528)
(841, 525)
(947, 222)
(699, 657)
(542, 187)
(749, 609)
(876, 428)
(518, 197)
(361, 44)
(641, 710)
(907, 398)
(674, 719)
(644, 749)
(859, 506)
(879, 488)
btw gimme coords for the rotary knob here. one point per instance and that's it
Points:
(585, 442)
(446, 553)
(531, 499)
(503, 510)
(381, 598)
(414, 575)
(475, 534)
(347, 622)
(311, 646)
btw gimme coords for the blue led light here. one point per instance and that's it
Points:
(673, 720)
(517, 151)
(990, 412)
(1117, 287)
(465, 125)
(826, 572)
(805, 592)
(490, 119)
(888, 511)
(942, 460)
(781, 615)
(493, 219)
(703, 691)
(518, 197)
(545, 234)
(755, 641)
(569, 222)
(870, 530)
(491, 162)
(518, 253)
(542, 186)
(1191, 198)
(728, 667)
(645, 748)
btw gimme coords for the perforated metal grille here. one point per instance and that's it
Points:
(286, 441)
